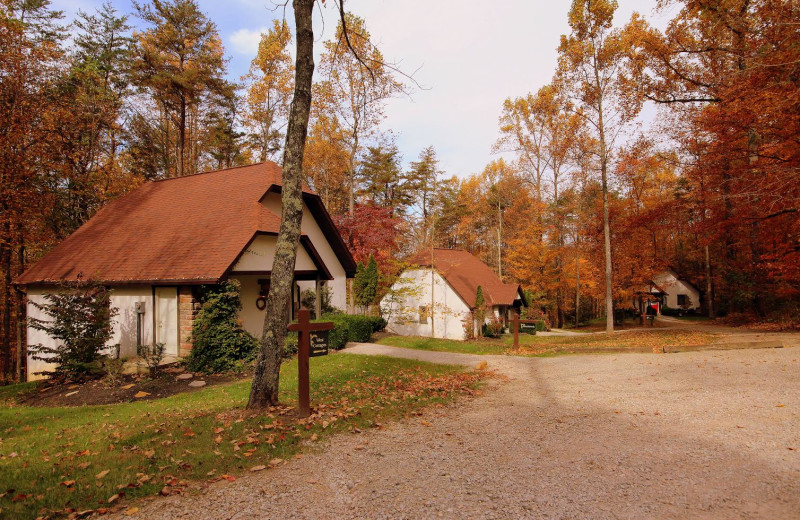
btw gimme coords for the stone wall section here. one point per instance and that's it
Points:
(188, 307)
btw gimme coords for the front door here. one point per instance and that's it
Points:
(166, 312)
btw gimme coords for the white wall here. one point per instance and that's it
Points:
(668, 281)
(124, 324)
(261, 253)
(310, 227)
(449, 309)
(252, 319)
(124, 299)
(37, 336)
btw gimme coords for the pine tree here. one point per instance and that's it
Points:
(480, 309)
(80, 318)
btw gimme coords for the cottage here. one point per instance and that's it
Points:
(667, 289)
(155, 246)
(435, 297)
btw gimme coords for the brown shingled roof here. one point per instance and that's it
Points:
(465, 272)
(187, 229)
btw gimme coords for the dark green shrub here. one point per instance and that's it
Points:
(378, 323)
(541, 326)
(360, 328)
(220, 342)
(354, 327)
(340, 335)
(365, 283)
(80, 320)
(290, 347)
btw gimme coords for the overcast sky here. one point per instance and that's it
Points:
(468, 56)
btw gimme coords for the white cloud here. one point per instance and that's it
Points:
(472, 56)
(245, 41)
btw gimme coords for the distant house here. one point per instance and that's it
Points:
(435, 296)
(155, 246)
(667, 289)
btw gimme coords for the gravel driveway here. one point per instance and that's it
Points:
(692, 435)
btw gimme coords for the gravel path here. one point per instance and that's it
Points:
(693, 435)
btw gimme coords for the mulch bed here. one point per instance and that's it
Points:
(99, 391)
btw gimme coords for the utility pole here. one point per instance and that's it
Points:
(433, 231)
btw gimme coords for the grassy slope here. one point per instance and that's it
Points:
(149, 445)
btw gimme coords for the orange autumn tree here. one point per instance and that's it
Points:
(590, 68)
(271, 79)
(728, 73)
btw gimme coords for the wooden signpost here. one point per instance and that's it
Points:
(305, 330)
(516, 321)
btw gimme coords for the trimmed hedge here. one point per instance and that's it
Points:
(378, 323)
(359, 328)
(346, 327)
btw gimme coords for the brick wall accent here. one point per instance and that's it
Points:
(188, 306)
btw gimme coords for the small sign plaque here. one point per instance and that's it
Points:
(528, 328)
(319, 343)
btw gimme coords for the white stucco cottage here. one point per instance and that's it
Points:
(156, 245)
(667, 289)
(435, 296)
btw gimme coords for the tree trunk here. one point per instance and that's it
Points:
(577, 283)
(5, 362)
(606, 226)
(182, 142)
(264, 391)
(351, 196)
(709, 294)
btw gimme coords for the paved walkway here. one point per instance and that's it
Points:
(693, 435)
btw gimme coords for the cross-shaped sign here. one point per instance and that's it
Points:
(516, 323)
(304, 328)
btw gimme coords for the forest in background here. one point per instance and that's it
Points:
(586, 205)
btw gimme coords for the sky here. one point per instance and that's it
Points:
(467, 57)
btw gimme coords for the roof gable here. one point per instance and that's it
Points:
(186, 229)
(465, 272)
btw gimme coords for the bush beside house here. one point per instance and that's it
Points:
(80, 320)
(220, 342)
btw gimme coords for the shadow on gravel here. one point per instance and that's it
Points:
(688, 435)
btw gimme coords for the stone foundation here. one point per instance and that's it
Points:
(188, 307)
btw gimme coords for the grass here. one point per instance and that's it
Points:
(482, 346)
(586, 326)
(692, 318)
(633, 341)
(54, 460)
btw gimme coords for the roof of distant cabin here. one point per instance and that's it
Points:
(188, 229)
(465, 272)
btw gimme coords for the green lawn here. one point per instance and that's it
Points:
(483, 346)
(54, 459)
(634, 341)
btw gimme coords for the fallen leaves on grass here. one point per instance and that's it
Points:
(176, 441)
(653, 340)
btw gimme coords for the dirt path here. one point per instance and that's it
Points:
(695, 435)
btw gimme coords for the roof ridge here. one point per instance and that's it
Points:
(215, 171)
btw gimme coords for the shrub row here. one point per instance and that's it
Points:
(352, 327)
(346, 327)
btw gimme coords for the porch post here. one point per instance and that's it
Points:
(318, 305)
